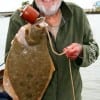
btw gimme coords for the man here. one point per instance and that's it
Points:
(70, 33)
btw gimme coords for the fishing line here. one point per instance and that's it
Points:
(59, 54)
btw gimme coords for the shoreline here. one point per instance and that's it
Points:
(92, 12)
(8, 14)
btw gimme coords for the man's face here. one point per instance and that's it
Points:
(48, 7)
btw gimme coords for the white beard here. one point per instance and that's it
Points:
(52, 10)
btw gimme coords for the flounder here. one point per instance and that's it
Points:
(29, 67)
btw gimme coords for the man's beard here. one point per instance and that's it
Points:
(52, 10)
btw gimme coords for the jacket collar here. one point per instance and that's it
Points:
(66, 11)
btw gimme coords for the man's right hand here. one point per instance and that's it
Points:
(20, 35)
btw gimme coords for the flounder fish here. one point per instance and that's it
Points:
(29, 67)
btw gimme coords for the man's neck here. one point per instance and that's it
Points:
(54, 20)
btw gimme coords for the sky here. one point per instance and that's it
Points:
(11, 5)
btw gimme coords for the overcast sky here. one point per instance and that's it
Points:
(11, 5)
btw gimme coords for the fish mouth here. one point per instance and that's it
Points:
(41, 23)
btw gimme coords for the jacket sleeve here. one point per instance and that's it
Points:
(15, 23)
(90, 47)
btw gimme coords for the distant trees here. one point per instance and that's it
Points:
(97, 6)
(98, 9)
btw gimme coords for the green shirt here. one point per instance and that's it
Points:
(75, 28)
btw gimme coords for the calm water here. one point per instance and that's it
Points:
(90, 75)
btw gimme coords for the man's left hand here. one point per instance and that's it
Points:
(73, 51)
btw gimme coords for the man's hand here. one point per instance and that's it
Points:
(20, 35)
(73, 50)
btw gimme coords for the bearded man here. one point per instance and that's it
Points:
(70, 32)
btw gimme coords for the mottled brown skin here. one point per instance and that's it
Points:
(30, 68)
(34, 36)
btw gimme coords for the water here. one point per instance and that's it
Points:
(90, 75)
(4, 22)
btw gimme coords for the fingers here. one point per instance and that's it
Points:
(71, 53)
(73, 50)
(21, 33)
(27, 26)
(12, 42)
(20, 36)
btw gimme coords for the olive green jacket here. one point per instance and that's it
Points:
(74, 27)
